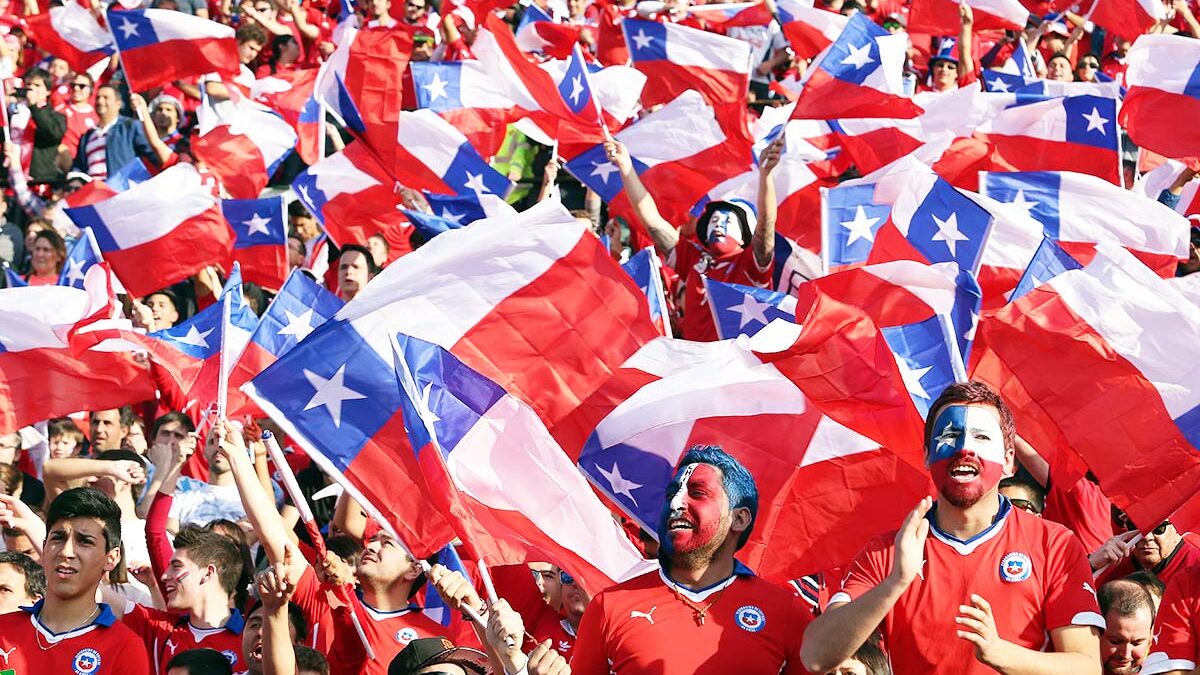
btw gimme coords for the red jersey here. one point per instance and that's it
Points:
(550, 626)
(1185, 556)
(1177, 627)
(1083, 509)
(312, 598)
(642, 626)
(1033, 573)
(388, 633)
(78, 123)
(691, 261)
(103, 646)
(165, 634)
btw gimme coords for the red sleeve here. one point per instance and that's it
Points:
(868, 570)
(134, 658)
(156, 537)
(170, 396)
(1083, 509)
(1176, 628)
(590, 657)
(149, 624)
(310, 596)
(1070, 596)
(801, 617)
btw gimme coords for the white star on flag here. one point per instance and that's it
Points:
(74, 272)
(619, 484)
(1000, 86)
(475, 184)
(751, 310)
(330, 393)
(1022, 203)
(859, 56)
(970, 333)
(641, 40)
(298, 326)
(128, 28)
(436, 88)
(258, 224)
(912, 377)
(195, 338)
(1096, 121)
(453, 217)
(860, 227)
(948, 232)
(576, 89)
(603, 170)
(429, 414)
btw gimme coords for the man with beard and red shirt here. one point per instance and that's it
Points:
(703, 612)
(734, 243)
(969, 585)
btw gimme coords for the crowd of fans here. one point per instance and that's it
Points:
(136, 544)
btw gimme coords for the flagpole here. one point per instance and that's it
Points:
(956, 361)
(310, 524)
(223, 372)
(824, 231)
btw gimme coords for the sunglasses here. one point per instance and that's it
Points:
(80, 85)
(1089, 64)
(1026, 505)
(565, 578)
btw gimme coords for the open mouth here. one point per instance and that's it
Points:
(65, 571)
(256, 653)
(679, 524)
(964, 472)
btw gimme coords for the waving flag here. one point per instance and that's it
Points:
(1048, 262)
(860, 76)
(353, 196)
(300, 307)
(940, 17)
(1080, 211)
(435, 607)
(1163, 89)
(12, 279)
(850, 220)
(242, 142)
(1077, 133)
(162, 45)
(473, 96)
(530, 87)
(1119, 337)
(449, 212)
(83, 254)
(576, 90)
(1152, 183)
(331, 88)
(679, 151)
(1130, 19)
(260, 239)
(72, 33)
(928, 357)
(935, 223)
(676, 58)
(432, 155)
(745, 310)
(186, 233)
(292, 96)
(645, 268)
(539, 33)
(809, 29)
(39, 376)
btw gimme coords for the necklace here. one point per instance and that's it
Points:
(55, 643)
(698, 612)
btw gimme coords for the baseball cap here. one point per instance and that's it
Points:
(429, 651)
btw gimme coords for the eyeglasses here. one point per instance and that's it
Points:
(80, 85)
(1089, 64)
(1161, 529)
(414, 5)
(565, 578)
(1025, 505)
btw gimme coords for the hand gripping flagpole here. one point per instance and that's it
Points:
(310, 524)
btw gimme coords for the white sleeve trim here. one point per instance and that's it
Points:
(1089, 619)
(839, 597)
(1158, 662)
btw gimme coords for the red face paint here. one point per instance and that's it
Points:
(695, 510)
(966, 453)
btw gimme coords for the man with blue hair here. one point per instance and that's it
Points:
(702, 611)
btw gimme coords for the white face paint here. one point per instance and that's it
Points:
(676, 503)
(724, 222)
(971, 428)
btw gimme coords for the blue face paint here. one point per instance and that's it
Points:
(949, 434)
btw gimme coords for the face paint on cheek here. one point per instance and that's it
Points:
(966, 453)
(698, 507)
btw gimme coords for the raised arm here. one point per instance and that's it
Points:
(59, 473)
(966, 59)
(273, 534)
(275, 586)
(665, 235)
(16, 514)
(764, 233)
(142, 112)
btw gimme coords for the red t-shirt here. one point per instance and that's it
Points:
(1083, 509)
(691, 261)
(165, 634)
(78, 122)
(388, 633)
(100, 648)
(1033, 573)
(642, 626)
(313, 599)
(1177, 627)
(1185, 556)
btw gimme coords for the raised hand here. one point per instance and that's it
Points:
(505, 628)
(910, 544)
(1114, 550)
(454, 588)
(127, 470)
(618, 154)
(544, 660)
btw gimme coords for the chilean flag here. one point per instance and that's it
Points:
(292, 95)
(745, 310)
(39, 376)
(84, 253)
(1129, 19)
(432, 155)
(242, 142)
(300, 308)
(530, 87)
(1124, 341)
(809, 30)
(158, 46)
(680, 152)
(940, 17)
(730, 15)
(353, 196)
(1049, 261)
(850, 220)
(861, 75)
(72, 33)
(1164, 88)
(474, 96)
(260, 239)
(1080, 211)
(1076, 133)
(1153, 182)
(645, 268)
(186, 233)
(331, 87)
(676, 58)
(12, 279)
(541, 34)
(452, 212)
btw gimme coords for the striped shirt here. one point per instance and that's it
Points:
(97, 151)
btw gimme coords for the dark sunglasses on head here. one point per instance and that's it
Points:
(565, 578)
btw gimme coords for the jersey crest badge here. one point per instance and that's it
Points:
(406, 635)
(750, 618)
(230, 656)
(86, 662)
(1015, 567)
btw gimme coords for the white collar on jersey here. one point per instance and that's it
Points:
(968, 546)
(380, 615)
(700, 595)
(105, 619)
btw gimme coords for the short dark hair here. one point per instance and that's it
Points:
(1036, 491)
(167, 418)
(372, 268)
(250, 32)
(35, 576)
(871, 656)
(308, 658)
(968, 393)
(1124, 597)
(296, 209)
(40, 74)
(1149, 581)
(737, 480)
(205, 547)
(85, 502)
(201, 662)
(345, 547)
(64, 426)
(296, 617)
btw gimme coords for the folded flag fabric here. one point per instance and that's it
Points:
(1163, 88)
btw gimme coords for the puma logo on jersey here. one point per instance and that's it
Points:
(1088, 587)
(564, 646)
(171, 645)
(648, 616)
(920, 571)
(7, 654)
